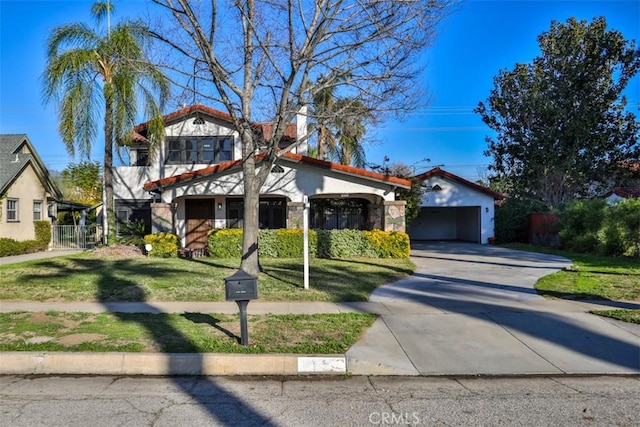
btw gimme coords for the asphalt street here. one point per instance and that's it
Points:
(318, 401)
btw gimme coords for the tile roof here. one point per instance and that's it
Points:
(624, 192)
(441, 172)
(266, 128)
(294, 158)
(350, 170)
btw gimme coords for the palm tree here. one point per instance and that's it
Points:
(349, 123)
(86, 71)
(323, 103)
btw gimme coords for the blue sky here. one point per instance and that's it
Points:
(472, 45)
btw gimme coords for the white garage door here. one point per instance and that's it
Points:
(462, 223)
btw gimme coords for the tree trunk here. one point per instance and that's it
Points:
(346, 155)
(322, 142)
(108, 211)
(250, 262)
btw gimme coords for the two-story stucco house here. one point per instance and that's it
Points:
(27, 192)
(194, 183)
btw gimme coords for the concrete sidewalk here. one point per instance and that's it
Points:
(467, 310)
(36, 256)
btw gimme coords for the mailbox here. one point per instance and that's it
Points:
(241, 286)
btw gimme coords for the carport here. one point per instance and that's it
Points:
(454, 209)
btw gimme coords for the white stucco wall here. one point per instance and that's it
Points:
(455, 194)
(129, 180)
(293, 183)
(25, 189)
(613, 199)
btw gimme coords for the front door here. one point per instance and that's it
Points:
(200, 217)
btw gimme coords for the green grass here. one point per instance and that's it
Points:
(630, 316)
(590, 276)
(85, 277)
(180, 333)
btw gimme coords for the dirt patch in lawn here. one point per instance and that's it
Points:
(76, 339)
(43, 318)
(118, 251)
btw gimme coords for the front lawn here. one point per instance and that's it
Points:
(180, 333)
(593, 277)
(590, 277)
(87, 277)
(630, 316)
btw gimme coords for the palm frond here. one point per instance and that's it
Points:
(101, 9)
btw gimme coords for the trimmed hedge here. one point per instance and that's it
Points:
(344, 244)
(163, 245)
(389, 244)
(225, 243)
(281, 243)
(43, 234)
(288, 243)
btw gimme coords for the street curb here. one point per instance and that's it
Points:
(46, 363)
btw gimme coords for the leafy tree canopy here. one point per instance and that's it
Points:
(562, 130)
(82, 182)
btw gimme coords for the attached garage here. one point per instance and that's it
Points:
(454, 209)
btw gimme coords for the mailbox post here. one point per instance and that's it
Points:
(242, 287)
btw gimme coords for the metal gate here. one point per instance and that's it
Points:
(75, 236)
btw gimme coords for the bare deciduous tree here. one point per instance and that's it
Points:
(266, 60)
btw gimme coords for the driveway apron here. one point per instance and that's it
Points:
(472, 309)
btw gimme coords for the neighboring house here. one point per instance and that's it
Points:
(27, 192)
(621, 193)
(454, 209)
(625, 187)
(194, 183)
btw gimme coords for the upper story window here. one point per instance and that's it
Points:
(142, 157)
(37, 210)
(208, 149)
(12, 209)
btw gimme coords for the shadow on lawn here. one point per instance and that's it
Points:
(208, 394)
(207, 319)
(336, 280)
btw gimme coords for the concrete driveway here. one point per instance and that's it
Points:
(472, 310)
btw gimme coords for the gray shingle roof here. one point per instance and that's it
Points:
(13, 161)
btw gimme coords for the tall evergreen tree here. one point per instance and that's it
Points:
(561, 126)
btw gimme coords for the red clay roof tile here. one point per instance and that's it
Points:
(438, 171)
(297, 158)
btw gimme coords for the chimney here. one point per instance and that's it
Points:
(301, 131)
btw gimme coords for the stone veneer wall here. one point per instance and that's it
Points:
(295, 212)
(394, 219)
(162, 218)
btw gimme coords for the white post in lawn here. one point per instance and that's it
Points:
(305, 244)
